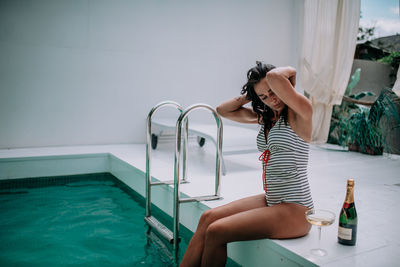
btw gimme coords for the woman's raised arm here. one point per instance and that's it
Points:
(281, 81)
(234, 109)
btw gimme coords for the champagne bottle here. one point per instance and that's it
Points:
(347, 233)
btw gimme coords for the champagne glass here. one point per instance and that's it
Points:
(320, 218)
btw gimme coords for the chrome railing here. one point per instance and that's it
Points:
(148, 152)
(177, 199)
(173, 236)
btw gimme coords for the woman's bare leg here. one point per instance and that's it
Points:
(195, 248)
(280, 221)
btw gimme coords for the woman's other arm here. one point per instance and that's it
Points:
(234, 109)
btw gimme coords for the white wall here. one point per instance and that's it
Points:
(374, 76)
(88, 71)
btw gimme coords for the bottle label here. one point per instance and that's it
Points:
(345, 233)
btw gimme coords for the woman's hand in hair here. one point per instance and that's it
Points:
(281, 81)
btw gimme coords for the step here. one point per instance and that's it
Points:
(199, 198)
(160, 228)
(168, 182)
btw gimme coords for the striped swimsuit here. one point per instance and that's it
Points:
(286, 166)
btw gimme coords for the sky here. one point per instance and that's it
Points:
(383, 14)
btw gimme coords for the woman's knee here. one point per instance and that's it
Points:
(207, 218)
(215, 232)
(306, 229)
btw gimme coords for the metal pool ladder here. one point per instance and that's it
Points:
(173, 236)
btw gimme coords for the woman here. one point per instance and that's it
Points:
(284, 137)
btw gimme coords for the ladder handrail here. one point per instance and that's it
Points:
(148, 149)
(173, 236)
(177, 199)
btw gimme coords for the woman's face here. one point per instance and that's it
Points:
(267, 96)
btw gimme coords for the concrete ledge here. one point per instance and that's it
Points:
(13, 168)
(252, 253)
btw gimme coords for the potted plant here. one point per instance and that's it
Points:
(368, 129)
(341, 113)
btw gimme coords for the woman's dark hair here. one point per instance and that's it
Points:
(264, 113)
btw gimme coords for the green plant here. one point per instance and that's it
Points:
(340, 113)
(362, 136)
(393, 59)
(367, 130)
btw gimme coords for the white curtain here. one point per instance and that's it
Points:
(396, 86)
(329, 41)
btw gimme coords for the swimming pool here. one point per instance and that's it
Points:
(78, 220)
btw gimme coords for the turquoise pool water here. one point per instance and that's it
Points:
(86, 222)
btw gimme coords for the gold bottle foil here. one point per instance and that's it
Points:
(350, 191)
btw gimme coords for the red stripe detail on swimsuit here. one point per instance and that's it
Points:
(264, 157)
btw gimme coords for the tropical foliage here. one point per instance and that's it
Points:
(368, 129)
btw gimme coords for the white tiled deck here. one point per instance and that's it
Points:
(377, 193)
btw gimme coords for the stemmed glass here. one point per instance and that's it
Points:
(320, 218)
